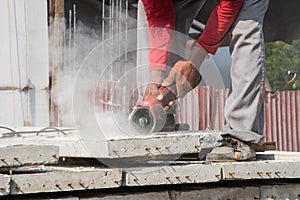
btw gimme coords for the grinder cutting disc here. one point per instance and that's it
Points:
(149, 116)
(146, 120)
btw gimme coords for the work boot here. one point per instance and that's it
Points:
(232, 150)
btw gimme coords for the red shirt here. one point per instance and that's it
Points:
(161, 19)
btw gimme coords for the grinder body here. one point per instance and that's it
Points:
(149, 115)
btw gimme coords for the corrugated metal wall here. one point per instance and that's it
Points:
(282, 120)
(203, 108)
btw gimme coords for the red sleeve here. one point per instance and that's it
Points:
(219, 23)
(161, 21)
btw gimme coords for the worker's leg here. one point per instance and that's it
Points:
(186, 11)
(244, 105)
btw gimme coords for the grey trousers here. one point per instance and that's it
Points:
(244, 105)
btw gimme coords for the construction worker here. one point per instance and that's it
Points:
(243, 19)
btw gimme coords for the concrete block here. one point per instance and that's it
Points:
(173, 174)
(164, 144)
(4, 185)
(66, 139)
(56, 179)
(28, 154)
(73, 145)
(261, 170)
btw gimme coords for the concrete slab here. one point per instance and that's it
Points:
(173, 174)
(260, 170)
(163, 144)
(4, 185)
(59, 179)
(66, 139)
(28, 155)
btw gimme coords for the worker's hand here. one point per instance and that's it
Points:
(185, 75)
(156, 78)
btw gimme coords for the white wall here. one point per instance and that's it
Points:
(24, 63)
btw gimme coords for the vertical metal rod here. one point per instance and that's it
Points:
(110, 34)
(103, 16)
(120, 39)
(117, 18)
(70, 38)
(103, 37)
(74, 35)
(126, 35)
(26, 63)
(64, 50)
(113, 73)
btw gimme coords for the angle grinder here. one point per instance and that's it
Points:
(149, 115)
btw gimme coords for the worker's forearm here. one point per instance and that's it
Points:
(219, 23)
(161, 20)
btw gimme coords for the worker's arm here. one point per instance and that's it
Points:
(218, 24)
(161, 19)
